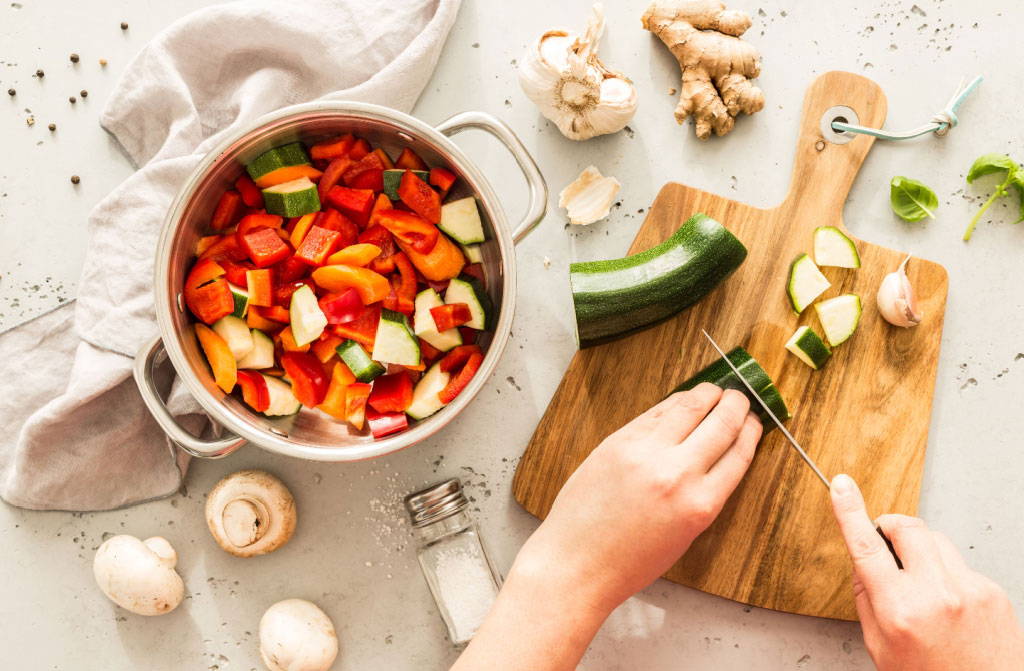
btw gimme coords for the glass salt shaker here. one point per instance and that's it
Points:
(461, 577)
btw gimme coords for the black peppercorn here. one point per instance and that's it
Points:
(75, 179)
(72, 100)
(11, 92)
(40, 73)
(84, 93)
(52, 126)
(74, 58)
(124, 26)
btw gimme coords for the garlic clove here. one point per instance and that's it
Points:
(562, 75)
(590, 197)
(896, 300)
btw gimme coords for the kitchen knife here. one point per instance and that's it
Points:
(791, 439)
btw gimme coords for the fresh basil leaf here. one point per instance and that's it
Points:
(988, 164)
(911, 200)
(1017, 182)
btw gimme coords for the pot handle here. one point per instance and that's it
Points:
(197, 447)
(499, 129)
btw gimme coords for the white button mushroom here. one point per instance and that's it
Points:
(250, 513)
(139, 575)
(295, 635)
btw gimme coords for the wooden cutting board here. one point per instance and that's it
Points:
(866, 413)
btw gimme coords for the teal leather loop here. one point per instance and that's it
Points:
(940, 124)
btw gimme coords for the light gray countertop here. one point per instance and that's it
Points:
(351, 553)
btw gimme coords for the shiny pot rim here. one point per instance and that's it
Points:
(272, 438)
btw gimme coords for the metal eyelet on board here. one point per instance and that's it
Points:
(840, 113)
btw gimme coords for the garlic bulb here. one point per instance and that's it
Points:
(896, 300)
(562, 75)
(590, 197)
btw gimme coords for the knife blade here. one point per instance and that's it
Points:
(792, 441)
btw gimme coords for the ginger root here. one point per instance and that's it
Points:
(717, 65)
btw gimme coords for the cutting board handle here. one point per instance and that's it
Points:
(827, 168)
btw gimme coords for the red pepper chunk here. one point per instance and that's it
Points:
(229, 207)
(235, 272)
(411, 229)
(333, 220)
(283, 291)
(206, 292)
(228, 248)
(341, 308)
(403, 287)
(391, 393)
(368, 165)
(442, 179)
(260, 284)
(353, 203)
(332, 175)
(356, 395)
(255, 391)
(476, 270)
(379, 236)
(274, 313)
(309, 381)
(251, 194)
(451, 315)
(362, 329)
(422, 199)
(428, 352)
(333, 148)
(251, 222)
(360, 149)
(385, 423)
(459, 356)
(318, 244)
(410, 160)
(460, 380)
(265, 247)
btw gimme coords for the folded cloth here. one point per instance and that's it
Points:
(76, 433)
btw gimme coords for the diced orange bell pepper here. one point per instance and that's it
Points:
(265, 247)
(333, 148)
(334, 403)
(251, 222)
(402, 297)
(302, 227)
(356, 395)
(409, 160)
(385, 160)
(332, 175)
(317, 246)
(219, 356)
(260, 284)
(207, 293)
(205, 243)
(380, 236)
(362, 329)
(444, 261)
(255, 320)
(372, 287)
(382, 203)
(410, 228)
(274, 313)
(359, 149)
(228, 209)
(288, 343)
(288, 174)
(353, 203)
(251, 194)
(420, 197)
(442, 179)
(355, 255)
(325, 347)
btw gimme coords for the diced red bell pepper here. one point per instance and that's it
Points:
(251, 194)
(437, 285)
(442, 179)
(385, 423)
(206, 292)
(362, 329)
(326, 346)
(371, 179)
(458, 356)
(334, 402)
(251, 222)
(318, 244)
(219, 356)
(235, 272)
(265, 247)
(301, 228)
(403, 287)
(476, 270)
(255, 391)
(207, 241)
(333, 220)
(459, 381)
(370, 163)
(353, 203)
(309, 382)
(382, 203)
(228, 209)
(409, 160)
(289, 270)
(418, 195)
(428, 352)
(341, 308)
(332, 175)
(379, 236)
(333, 148)
(359, 149)
(274, 313)
(356, 395)
(283, 291)
(411, 229)
(468, 335)
(451, 315)
(391, 393)
(228, 248)
(260, 284)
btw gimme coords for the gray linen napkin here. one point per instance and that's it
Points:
(76, 433)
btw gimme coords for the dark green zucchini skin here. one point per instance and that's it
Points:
(615, 298)
(719, 374)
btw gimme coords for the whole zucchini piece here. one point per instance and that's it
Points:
(719, 374)
(615, 298)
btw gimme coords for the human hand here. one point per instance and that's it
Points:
(934, 615)
(634, 506)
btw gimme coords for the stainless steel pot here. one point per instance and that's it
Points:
(312, 434)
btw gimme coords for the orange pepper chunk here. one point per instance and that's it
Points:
(219, 356)
(372, 287)
(354, 255)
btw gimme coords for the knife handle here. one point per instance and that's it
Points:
(888, 544)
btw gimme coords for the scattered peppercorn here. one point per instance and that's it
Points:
(40, 73)
(124, 26)
(52, 126)
(30, 120)
(74, 58)
(84, 93)
(75, 179)
(72, 100)
(11, 92)
(103, 62)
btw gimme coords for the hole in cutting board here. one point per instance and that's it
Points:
(842, 114)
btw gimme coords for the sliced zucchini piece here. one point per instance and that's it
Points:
(473, 253)
(307, 319)
(805, 283)
(393, 179)
(467, 289)
(292, 199)
(236, 333)
(261, 355)
(460, 219)
(425, 399)
(719, 373)
(241, 298)
(282, 400)
(395, 342)
(359, 362)
(286, 156)
(839, 317)
(809, 348)
(425, 328)
(833, 248)
(615, 298)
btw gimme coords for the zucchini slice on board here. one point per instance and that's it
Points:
(839, 317)
(805, 283)
(809, 348)
(615, 298)
(833, 248)
(719, 374)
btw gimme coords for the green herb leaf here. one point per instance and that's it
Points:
(988, 164)
(996, 163)
(1017, 182)
(911, 200)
